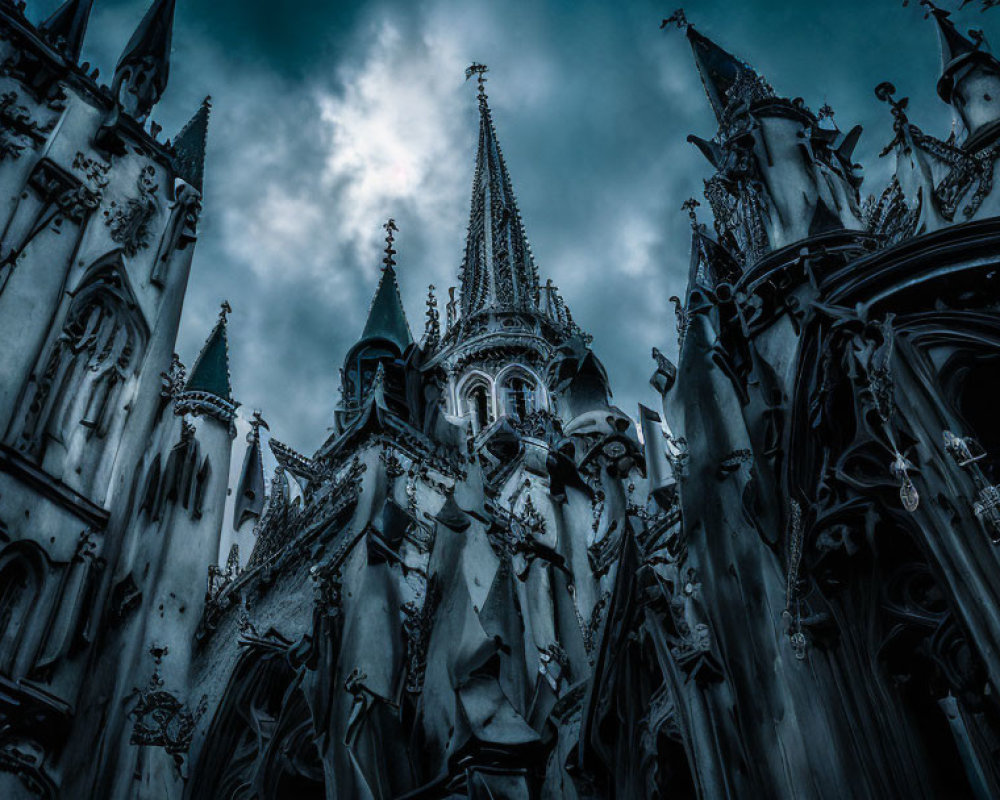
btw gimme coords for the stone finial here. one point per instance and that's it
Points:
(390, 229)
(479, 70)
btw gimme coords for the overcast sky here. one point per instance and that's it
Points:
(329, 117)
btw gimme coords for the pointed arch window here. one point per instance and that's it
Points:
(520, 396)
(20, 584)
(478, 406)
(80, 383)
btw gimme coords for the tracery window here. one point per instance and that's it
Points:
(519, 396)
(261, 742)
(87, 366)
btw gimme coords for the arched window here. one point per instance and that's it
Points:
(78, 388)
(520, 398)
(478, 405)
(520, 395)
(261, 742)
(19, 590)
(361, 367)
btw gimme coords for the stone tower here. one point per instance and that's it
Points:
(489, 582)
(823, 609)
(98, 225)
(465, 516)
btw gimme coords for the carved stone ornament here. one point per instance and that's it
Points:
(130, 221)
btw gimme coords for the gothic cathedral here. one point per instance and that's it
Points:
(490, 581)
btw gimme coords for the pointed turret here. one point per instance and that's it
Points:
(498, 271)
(208, 389)
(250, 491)
(189, 147)
(385, 339)
(386, 317)
(144, 66)
(211, 371)
(970, 75)
(781, 174)
(956, 49)
(727, 79)
(67, 26)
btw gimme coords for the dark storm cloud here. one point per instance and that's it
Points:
(330, 117)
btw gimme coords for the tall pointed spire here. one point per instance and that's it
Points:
(144, 66)
(498, 271)
(386, 317)
(66, 27)
(208, 389)
(189, 146)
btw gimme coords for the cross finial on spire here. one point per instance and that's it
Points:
(390, 229)
(690, 205)
(678, 19)
(224, 310)
(479, 70)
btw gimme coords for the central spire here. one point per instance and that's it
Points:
(498, 272)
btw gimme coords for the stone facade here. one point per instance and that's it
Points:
(491, 582)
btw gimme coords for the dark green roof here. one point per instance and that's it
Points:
(387, 319)
(211, 371)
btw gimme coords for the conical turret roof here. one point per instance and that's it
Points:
(211, 371)
(957, 51)
(386, 317)
(725, 77)
(189, 146)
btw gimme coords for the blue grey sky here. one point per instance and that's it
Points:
(330, 117)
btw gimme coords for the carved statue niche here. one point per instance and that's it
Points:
(75, 392)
